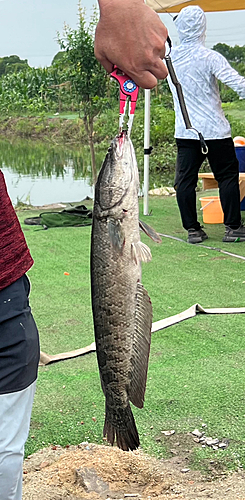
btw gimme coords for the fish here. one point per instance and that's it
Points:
(122, 309)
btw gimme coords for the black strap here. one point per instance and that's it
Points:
(148, 151)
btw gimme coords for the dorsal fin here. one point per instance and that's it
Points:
(141, 346)
(150, 231)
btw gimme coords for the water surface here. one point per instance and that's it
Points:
(39, 173)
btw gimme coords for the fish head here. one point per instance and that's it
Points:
(118, 175)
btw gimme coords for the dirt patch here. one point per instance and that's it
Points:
(94, 472)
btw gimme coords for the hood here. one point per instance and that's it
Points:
(191, 24)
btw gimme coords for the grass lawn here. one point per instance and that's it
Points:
(65, 115)
(197, 367)
(235, 109)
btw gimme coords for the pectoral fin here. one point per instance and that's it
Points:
(116, 234)
(141, 346)
(150, 231)
(140, 252)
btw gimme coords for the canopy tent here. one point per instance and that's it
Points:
(162, 6)
(207, 5)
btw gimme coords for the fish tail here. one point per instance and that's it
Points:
(123, 429)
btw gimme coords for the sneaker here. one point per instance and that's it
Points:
(197, 236)
(234, 235)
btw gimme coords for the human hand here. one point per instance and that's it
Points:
(131, 36)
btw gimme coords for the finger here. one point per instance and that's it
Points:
(162, 53)
(104, 61)
(146, 80)
(159, 70)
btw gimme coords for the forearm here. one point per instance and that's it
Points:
(235, 81)
(224, 72)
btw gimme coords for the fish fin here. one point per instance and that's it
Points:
(141, 347)
(116, 234)
(140, 252)
(123, 429)
(134, 254)
(150, 231)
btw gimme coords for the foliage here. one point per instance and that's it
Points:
(88, 78)
(226, 93)
(236, 57)
(163, 94)
(12, 64)
(58, 57)
(76, 82)
(33, 90)
(237, 127)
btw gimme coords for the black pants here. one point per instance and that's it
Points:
(224, 164)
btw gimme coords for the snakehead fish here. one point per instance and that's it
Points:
(122, 309)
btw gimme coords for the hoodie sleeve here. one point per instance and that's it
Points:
(223, 71)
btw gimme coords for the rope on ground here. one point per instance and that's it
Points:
(204, 246)
(46, 359)
(191, 312)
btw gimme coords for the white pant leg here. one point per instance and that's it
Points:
(15, 416)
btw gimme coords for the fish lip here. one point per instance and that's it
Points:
(118, 143)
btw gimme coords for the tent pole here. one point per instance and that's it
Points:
(147, 149)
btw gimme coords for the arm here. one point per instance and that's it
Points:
(222, 70)
(131, 36)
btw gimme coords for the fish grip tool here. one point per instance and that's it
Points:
(181, 99)
(128, 94)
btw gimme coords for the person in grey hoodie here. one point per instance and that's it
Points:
(198, 69)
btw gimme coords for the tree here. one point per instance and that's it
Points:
(58, 58)
(12, 64)
(236, 57)
(88, 78)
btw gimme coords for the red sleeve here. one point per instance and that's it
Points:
(15, 258)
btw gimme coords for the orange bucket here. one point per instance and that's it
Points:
(212, 210)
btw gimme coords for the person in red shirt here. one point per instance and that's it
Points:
(19, 348)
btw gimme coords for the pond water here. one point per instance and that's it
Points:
(40, 174)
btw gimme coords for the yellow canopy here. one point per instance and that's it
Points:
(206, 5)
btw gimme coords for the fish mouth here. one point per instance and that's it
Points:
(122, 136)
(118, 144)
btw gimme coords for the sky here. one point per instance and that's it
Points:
(29, 27)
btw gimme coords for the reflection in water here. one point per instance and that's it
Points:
(39, 173)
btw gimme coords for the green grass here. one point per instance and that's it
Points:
(64, 115)
(235, 109)
(197, 367)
